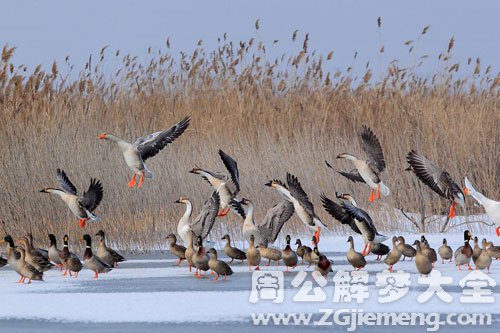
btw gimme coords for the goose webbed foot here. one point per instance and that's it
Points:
(132, 182)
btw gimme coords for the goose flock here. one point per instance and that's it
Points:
(31, 262)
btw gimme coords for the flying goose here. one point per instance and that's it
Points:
(437, 179)
(298, 197)
(358, 219)
(82, 207)
(369, 170)
(135, 154)
(491, 207)
(227, 187)
(203, 223)
(337, 211)
(269, 228)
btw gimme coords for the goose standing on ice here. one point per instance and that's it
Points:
(298, 197)
(370, 170)
(227, 187)
(491, 207)
(135, 154)
(358, 219)
(269, 228)
(84, 206)
(203, 223)
(437, 179)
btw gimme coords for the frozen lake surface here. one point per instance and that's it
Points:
(147, 293)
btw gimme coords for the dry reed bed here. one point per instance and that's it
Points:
(272, 115)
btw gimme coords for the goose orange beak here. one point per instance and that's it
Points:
(466, 191)
(102, 136)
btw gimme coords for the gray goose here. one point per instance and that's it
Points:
(437, 179)
(135, 154)
(294, 193)
(203, 223)
(350, 214)
(82, 207)
(268, 229)
(227, 187)
(368, 171)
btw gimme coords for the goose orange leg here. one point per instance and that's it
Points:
(452, 212)
(83, 222)
(498, 231)
(317, 233)
(378, 191)
(223, 212)
(141, 180)
(364, 250)
(132, 182)
(96, 275)
(21, 279)
(372, 196)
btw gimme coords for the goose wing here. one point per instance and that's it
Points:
(299, 194)
(238, 208)
(338, 213)
(353, 175)
(232, 167)
(373, 149)
(275, 219)
(150, 145)
(428, 173)
(65, 183)
(360, 215)
(204, 222)
(93, 196)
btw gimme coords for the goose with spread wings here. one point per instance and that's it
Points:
(227, 187)
(294, 193)
(135, 154)
(359, 220)
(269, 228)
(203, 223)
(437, 179)
(81, 206)
(370, 170)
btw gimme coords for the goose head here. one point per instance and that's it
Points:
(346, 156)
